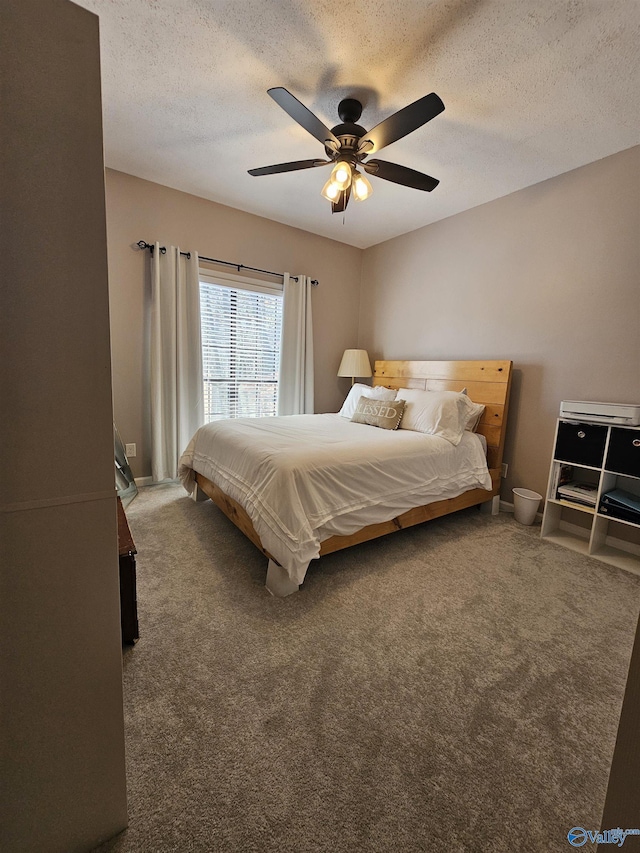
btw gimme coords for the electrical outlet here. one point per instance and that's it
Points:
(130, 449)
(505, 468)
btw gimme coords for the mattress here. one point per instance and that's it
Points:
(304, 478)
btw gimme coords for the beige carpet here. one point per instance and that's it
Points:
(453, 687)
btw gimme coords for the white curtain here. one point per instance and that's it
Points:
(177, 405)
(295, 383)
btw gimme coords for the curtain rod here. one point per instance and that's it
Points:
(142, 244)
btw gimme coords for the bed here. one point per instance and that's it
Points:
(303, 486)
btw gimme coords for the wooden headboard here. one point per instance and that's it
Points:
(487, 382)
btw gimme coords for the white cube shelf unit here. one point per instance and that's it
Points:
(607, 457)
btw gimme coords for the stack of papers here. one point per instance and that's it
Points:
(580, 493)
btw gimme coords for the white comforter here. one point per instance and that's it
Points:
(304, 478)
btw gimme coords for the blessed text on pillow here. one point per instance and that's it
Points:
(375, 392)
(379, 413)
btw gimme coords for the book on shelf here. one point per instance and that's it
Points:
(581, 493)
(566, 474)
(561, 474)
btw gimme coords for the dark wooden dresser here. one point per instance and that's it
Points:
(128, 600)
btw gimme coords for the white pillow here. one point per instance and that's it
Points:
(375, 392)
(477, 410)
(443, 413)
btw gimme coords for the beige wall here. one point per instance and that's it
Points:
(547, 277)
(62, 782)
(141, 210)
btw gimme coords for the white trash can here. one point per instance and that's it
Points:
(525, 505)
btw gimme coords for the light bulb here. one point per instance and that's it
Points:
(341, 174)
(330, 190)
(362, 189)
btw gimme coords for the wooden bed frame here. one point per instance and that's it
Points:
(487, 382)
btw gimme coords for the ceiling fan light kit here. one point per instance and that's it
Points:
(330, 190)
(362, 189)
(347, 145)
(341, 174)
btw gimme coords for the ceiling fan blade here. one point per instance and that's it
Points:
(288, 167)
(302, 115)
(401, 123)
(400, 175)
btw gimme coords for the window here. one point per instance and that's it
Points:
(241, 322)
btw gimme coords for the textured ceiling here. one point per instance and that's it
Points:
(532, 88)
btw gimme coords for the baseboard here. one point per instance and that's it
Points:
(148, 481)
(143, 481)
(613, 541)
(623, 545)
(505, 506)
(575, 529)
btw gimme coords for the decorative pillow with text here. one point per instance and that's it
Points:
(375, 392)
(379, 413)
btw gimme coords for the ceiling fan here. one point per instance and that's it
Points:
(347, 145)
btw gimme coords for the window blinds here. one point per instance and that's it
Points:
(241, 329)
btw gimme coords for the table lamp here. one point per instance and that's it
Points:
(355, 362)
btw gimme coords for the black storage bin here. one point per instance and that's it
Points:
(623, 456)
(582, 444)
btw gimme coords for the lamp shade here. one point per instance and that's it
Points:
(355, 362)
